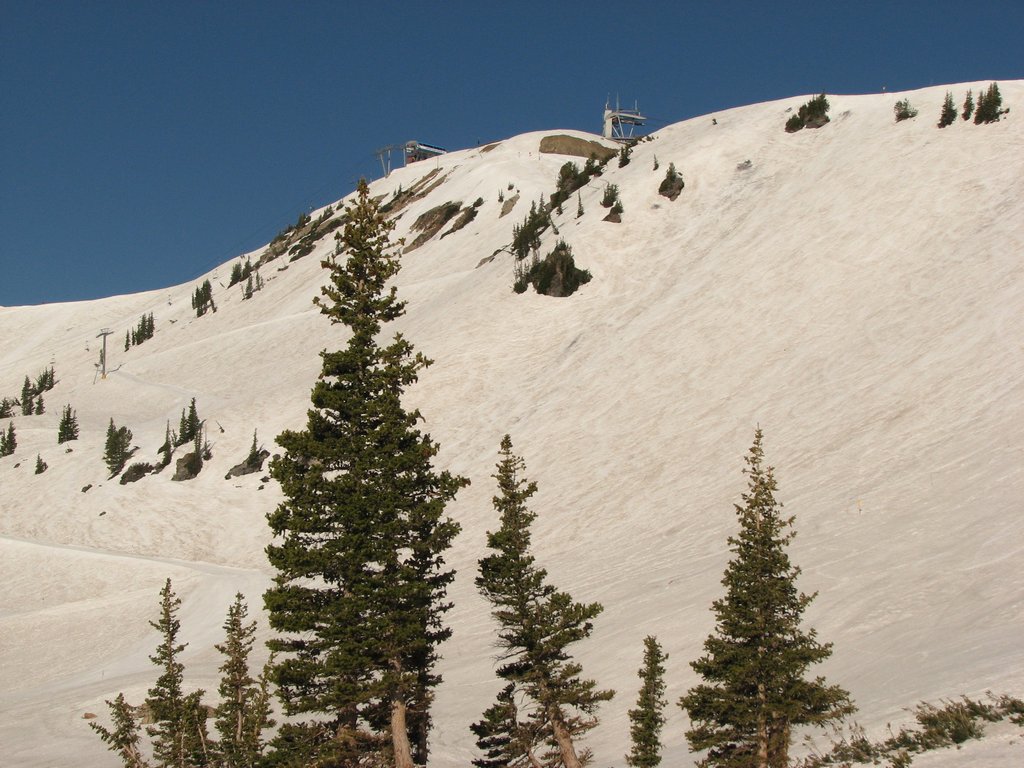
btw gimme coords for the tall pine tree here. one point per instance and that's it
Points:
(178, 732)
(537, 621)
(647, 719)
(755, 688)
(359, 546)
(244, 709)
(948, 114)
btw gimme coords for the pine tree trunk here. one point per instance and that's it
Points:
(400, 735)
(762, 728)
(563, 739)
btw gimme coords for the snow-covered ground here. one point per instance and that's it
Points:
(858, 291)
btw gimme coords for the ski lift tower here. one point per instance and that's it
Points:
(103, 355)
(619, 123)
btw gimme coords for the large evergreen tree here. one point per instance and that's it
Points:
(359, 546)
(648, 718)
(754, 667)
(537, 621)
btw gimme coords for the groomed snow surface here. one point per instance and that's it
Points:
(858, 292)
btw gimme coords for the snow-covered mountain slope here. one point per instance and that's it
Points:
(858, 291)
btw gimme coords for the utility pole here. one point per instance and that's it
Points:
(103, 354)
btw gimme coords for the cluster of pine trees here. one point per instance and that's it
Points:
(202, 299)
(31, 400)
(179, 736)
(141, 332)
(117, 448)
(360, 592)
(8, 440)
(989, 108)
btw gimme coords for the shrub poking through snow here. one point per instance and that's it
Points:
(672, 184)
(903, 110)
(813, 114)
(554, 275)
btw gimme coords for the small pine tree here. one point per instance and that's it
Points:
(624, 151)
(123, 740)
(647, 719)
(40, 406)
(27, 395)
(537, 621)
(611, 195)
(40, 465)
(189, 424)
(656, 166)
(67, 428)
(948, 114)
(579, 206)
(127, 341)
(9, 441)
(168, 447)
(968, 107)
(244, 710)
(6, 408)
(754, 666)
(117, 449)
(903, 110)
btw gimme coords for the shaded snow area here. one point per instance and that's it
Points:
(857, 291)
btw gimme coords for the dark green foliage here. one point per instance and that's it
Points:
(359, 591)
(755, 690)
(202, 299)
(505, 740)
(123, 740)
(40, 465)
(648, 718)
(579, 206)
(178, 732)
(189, 424)
(812, 114)
(537, 622)
(244, 710)
(45, 381)
(554, 275)
(948, 114)
(7, 407)
(672, 184)
(40, 406)
(624, 152)
(8, 440)
(656, 166)
(67, 428)
(617, 208)
(611, 195)
(167, 448)
(240, 272)
(254, 460)
(143, 331)
(252, 285)
(27, 395)
(938, 727)
(526, 237)
(136, 472)
(903, 110)
(117, 449)
(968, 107)
(989, 106)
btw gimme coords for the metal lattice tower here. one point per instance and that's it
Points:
(619, 123)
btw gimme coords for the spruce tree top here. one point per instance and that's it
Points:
(356, 295)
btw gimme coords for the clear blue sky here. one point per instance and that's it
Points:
(142, 143)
